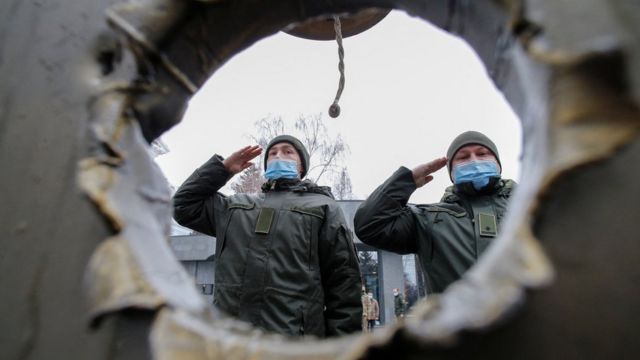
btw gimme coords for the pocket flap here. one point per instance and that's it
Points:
(241, 206)
(313, 211)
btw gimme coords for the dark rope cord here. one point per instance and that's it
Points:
(334, 109)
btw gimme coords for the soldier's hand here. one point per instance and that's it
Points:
(422, 173)
(241, 159)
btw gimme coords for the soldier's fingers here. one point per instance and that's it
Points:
(436, 164)
(255, 151)
(439, 162)
(237, 154)
(243, 149)
(252, 148)
(252, 151)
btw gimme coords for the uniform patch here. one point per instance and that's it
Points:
(263, 225)
(487, 225)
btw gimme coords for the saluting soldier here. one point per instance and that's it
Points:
(448, 236)
(285, 258)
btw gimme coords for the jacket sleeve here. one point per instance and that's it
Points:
(377, 309)
(340, 274)
(197, 203)
(384, 220)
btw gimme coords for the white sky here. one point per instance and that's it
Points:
(410, 89)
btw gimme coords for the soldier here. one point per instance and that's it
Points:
(285, 259)
(398, 303)
(448, 236)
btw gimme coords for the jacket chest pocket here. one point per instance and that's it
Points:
(240, 217)
(449, 230)
(307, 223)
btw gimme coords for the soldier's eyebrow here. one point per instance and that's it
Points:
(461, 153)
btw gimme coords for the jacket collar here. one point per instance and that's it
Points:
(453, 193)
(296, 185)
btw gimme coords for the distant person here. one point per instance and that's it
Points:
(398, 304)
(285, 258)
(366, 306)
(374, 312)
(449, 236)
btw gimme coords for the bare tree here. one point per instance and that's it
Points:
(342, 189)
(266, 129)
(249, 181)
(326, 153)
(368, 262)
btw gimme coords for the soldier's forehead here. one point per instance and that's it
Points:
(282, 144)
(470, 147)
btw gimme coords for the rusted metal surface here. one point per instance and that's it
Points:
(180, 335)
(80, 100)
(130, 190)
(322, 29)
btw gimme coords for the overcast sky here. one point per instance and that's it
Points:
(410, 89)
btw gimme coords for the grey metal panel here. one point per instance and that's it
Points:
(190, 266)
(391, 276)
(208, 299)
(193, 247)
(205, 272)
(349, 208)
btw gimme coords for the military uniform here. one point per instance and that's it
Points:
(285, 259)
(398, 305)
(448, 236)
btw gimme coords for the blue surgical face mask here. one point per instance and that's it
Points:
(282, 169)
(477, 172)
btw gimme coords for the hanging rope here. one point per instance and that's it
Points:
(334, 109)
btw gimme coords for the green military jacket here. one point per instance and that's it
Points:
(448, 236)
(285, 259)
(398, 305)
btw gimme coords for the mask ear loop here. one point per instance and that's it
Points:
(334, 109)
